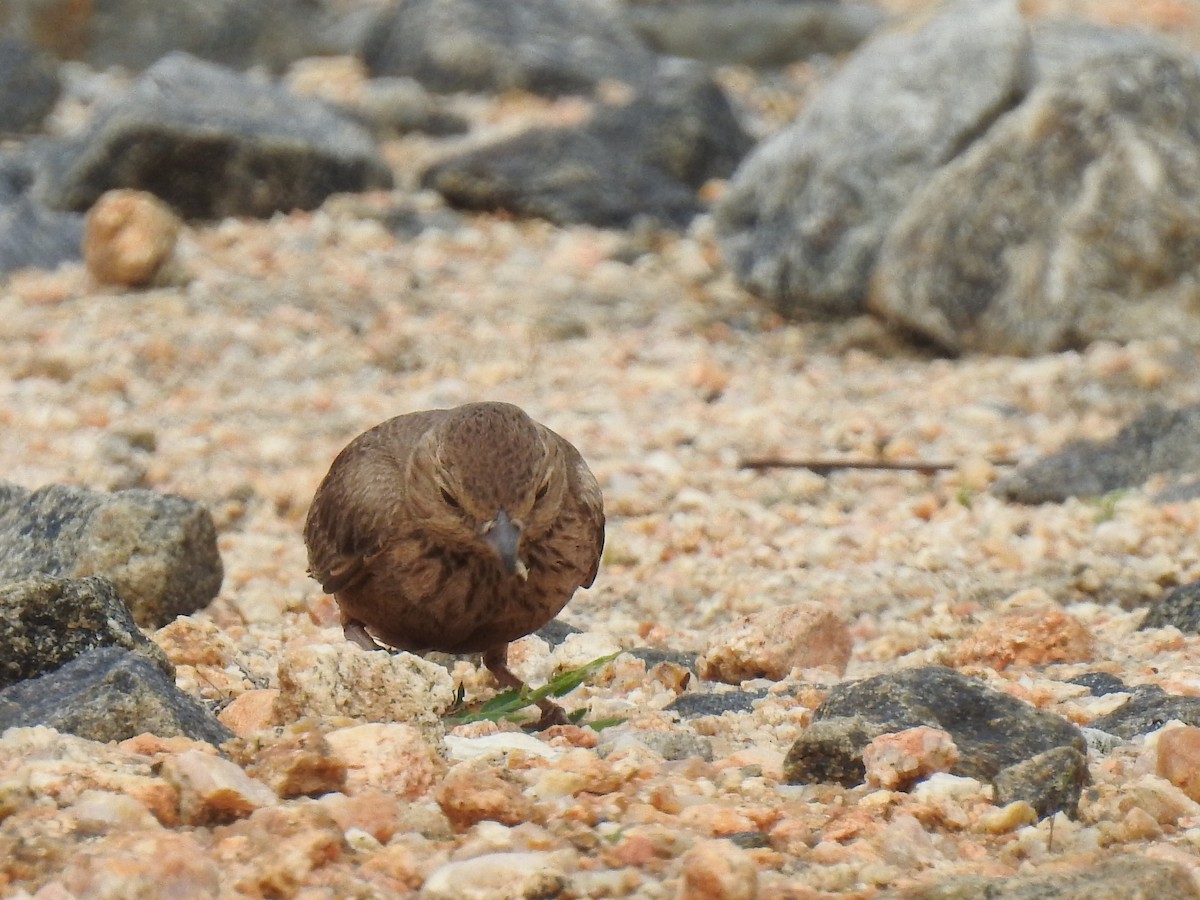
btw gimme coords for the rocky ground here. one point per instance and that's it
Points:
(269, 345)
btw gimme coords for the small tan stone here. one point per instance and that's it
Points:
(498, 876)
(128, 236)
(386, 757)
(147, 744)
(1008, 818)
(250, 712)
(140, 864)
(471, 794)
(899, 760)
(213, 789)
(301, 763)
(342, 679)
(718, 870)
(39, 764)
(189, 641)
(272, 852)
(376, 813)
(1178, 758)
(1027, 637)
(98, 812)
(771, 643)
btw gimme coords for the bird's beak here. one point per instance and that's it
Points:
(505, 537)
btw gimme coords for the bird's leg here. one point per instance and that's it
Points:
(496, 661)
(356, 631)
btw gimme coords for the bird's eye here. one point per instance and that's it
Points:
(541, 492)
(450, 501)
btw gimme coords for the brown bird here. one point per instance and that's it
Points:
(457, 530)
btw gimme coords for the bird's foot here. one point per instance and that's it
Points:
(552, 714)
(496, 661)
(357, 633)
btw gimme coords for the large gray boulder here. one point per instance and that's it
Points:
(642, 159)
(214, 143)
(109, 694)
(135, 34)
(46, 622)
(544, 46)
(1075, 218)
(807, 211)
(753, 32)
(159, 551)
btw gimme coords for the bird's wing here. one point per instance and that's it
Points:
(349, 519)
(584, 489)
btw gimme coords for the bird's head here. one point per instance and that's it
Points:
(498, 480)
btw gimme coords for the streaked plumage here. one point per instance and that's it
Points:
(457, 530)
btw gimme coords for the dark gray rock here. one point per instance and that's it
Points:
(1119, 877)
(753, 32)
(830, 751)
(1076, 218)
(46, 622)
(991, 730)
(642, 160)
(1050, 782)
(1101, 683)
(159, 551)
(213, 143)
(134, 34)
(545, 46)
(34, 237)
(29, 86)
(806, 213)
(1159, 440)
(1149, 709)
(693, 705)
(1179, 607)
(109, 694)
(555, 632)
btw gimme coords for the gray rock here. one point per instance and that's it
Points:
(694, 705)
(1100, 743)
(1149, 709)
(556, 631)
(109, 694)
(1060, 46)
(403, 106)
(545, 46)
(134, 34)
(1075, 218)
(1179, 607)
(46, 622)
(159, 551)
(1050, 782)
(213, 143)
(991, 730)
(753, 32)
(1120, 877)
(830, 751)
(670, 745)
(807, 211)
(642, 160)
(34, 237)
(1101, 683)
(1159, 440)
(29, 86)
